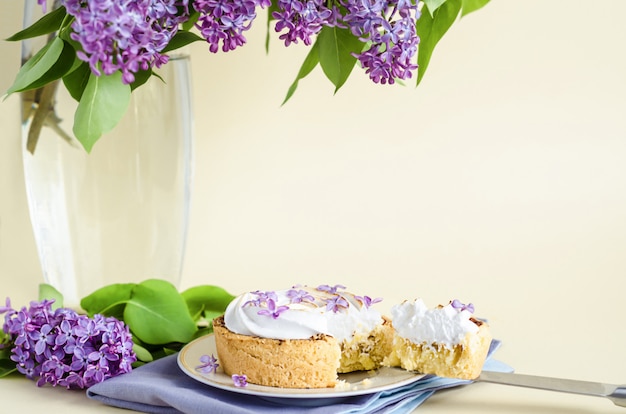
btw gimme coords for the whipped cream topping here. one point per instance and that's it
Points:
(302, 312)
(447, 325)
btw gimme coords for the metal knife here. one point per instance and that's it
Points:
(615, 393)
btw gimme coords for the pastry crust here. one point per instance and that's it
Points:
(287, 363)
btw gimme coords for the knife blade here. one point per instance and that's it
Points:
(615, 393)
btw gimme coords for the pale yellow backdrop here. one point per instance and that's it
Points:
(501, 180)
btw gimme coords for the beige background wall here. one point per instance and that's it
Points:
(501, 180)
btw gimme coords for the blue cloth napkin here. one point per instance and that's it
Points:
(160, 387)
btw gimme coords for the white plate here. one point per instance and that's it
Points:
(356, 383)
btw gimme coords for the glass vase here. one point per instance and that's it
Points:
(119, 213)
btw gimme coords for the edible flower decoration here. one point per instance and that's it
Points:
(273, 310)
(299, 296)
(61, 347)
(262, 297)
(268, 299)
(330, 289)
(367, 301)
(336, 303)
(460, 306)
(240, 380)
(208, 364)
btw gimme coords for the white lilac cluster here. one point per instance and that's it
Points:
(64, 348)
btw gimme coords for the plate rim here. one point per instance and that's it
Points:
(271, 392)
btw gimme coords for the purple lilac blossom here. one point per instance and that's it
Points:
(457, 304)
(61, 347)
(261, 298)
(240, 380)
(224, 21)
(272, 310)
(125, 35)
(130, 35)
(388, 26)
(336, 303)
(330, 289)
(208, 364)
(301, 20)
(299, 296)
(367, 301)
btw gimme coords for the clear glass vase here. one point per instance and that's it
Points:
(119, 213)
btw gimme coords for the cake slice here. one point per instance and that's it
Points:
(447, 341)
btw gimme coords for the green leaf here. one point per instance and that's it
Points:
(202, 332)
(142, 353)
(76, 81)
(141, 77)
(206, 297)
(336, 48)
(181, 39)
(431, 29)
(49, 292)
(433, 5)
(470, 6)
(170, 351)
(49, 23)
(273, 7)
(193, 18)
(101, 107)
(158, 314)
(210, 315)
(48, 64)
(7, 367)
(5, 351)
(109, 300)
(311, 60)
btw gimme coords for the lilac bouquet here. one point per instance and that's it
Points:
(61, 347)
(121, 326)
(104, 49)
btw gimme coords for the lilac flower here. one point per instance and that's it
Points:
(336, 303)
(61, 347)
(367, 301)
(388, 26)
(42, 338)
(272, 310)
(20, 356)
(299, 296)
(261, 298)
(457, 304)
(302, 19)
(130, 35)
(240, 380)
(125, 35)
(7, 306)
(43, 4)
(224, 21)
(208, 364)
(330, 289)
